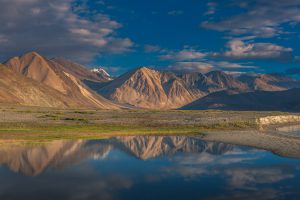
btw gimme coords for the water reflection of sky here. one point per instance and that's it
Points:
(137, 168)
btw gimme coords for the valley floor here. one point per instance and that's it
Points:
(45, 123)
(35, 125)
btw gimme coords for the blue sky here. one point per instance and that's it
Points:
(231, 35)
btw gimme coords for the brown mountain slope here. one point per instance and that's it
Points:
(220, 81)
(47, 72)
(34, 66)
(18, 89)
(288, 100)
(147, 88)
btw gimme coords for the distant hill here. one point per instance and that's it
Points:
(269, 82)
(288, 100)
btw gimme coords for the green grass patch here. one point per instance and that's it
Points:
(30, 131)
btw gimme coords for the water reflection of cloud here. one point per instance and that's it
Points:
(207, 158)
(237, 168)
(241, 172)
(77, 183)
(245, 177)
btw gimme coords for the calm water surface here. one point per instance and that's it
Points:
(145, 168)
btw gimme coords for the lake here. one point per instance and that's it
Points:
(145, 167)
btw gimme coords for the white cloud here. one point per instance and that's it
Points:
(192, 67)
(207, 66)
(54, 27)
(239, 49)
(183, 55)
(261, 18)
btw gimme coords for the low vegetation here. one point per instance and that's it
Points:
(46, 124)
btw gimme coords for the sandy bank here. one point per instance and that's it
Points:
(283, 145)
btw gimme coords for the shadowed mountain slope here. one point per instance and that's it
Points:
(79, 71)
(288, 100)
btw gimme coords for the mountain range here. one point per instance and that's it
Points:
(34, 80)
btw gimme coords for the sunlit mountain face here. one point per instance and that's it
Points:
(237, 36)
(145, 167)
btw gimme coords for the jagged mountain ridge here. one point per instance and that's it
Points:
(147, 88)
(60, 78)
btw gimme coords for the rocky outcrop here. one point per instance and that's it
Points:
(279, 119)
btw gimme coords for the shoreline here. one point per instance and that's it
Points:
(232, 127)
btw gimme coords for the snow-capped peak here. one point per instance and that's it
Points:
(100, 71)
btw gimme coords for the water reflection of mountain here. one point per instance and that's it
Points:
(33, 160)
(147, 147)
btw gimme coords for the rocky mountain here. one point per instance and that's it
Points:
(269, 82)
(222, 81)
(287, 100)
(18, 89)
(63, 78)
(34, 160)
(147, 88)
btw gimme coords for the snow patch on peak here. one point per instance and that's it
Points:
(100, 71)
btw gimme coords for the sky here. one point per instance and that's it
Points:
(235, 36)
